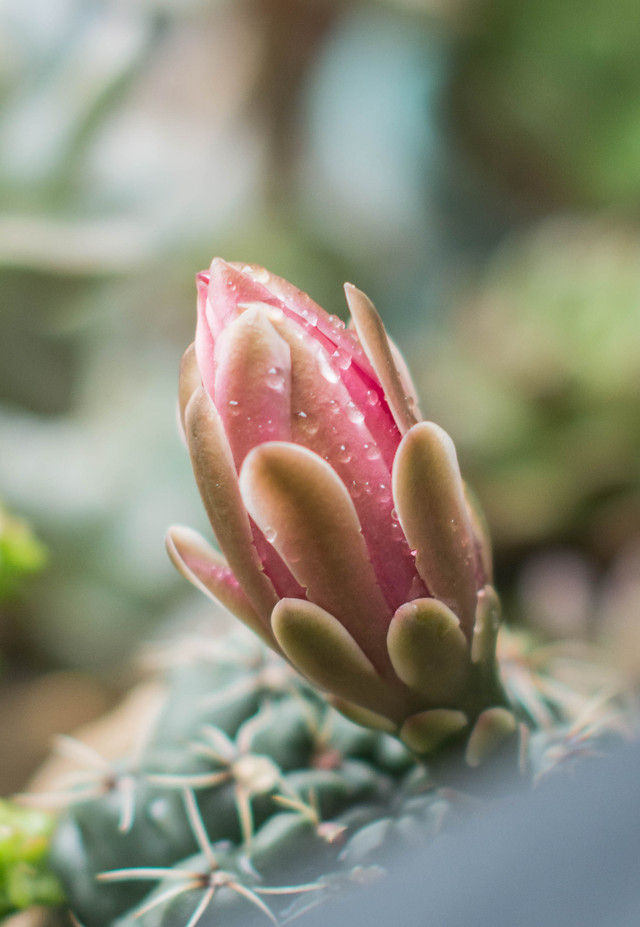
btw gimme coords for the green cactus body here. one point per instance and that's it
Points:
(252, 793)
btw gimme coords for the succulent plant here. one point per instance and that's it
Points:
(250, 792)
(352, 546)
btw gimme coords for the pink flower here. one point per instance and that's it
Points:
(349, 541)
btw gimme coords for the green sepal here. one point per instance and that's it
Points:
(323, 650)
(429, 497)
(428, 650)
(489, 731)
(427, 731)
(487, 625)
(363, 716)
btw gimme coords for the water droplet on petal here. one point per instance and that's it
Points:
(270, 534)
(336, 323)
(394, 515)
(354, 414)
(372, 397)
(343, 454)
(308, 425)
(275, 314)
(327, 369)
(292, 556)
(373, 452)
(275, 378)
(259, 274)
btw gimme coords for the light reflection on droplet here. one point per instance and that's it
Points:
(275, 379)
(354, 414)
(327, 369)
(275, 314)
(270, 534)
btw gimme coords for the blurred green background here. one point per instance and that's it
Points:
(473, 165)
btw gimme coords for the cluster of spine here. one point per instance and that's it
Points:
(251, 797)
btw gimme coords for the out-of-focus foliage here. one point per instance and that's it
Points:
(538, 376)
(137, 139)
(21, 553)
(547, 94)
(25, 878)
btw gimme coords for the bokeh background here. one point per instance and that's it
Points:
(474, 165)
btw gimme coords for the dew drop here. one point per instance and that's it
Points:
(343, 454)
(308, 425)
(275, 378)
(354, 414)
(275, 314)
(308, 315)
(327, 369)
(373, 452)
(336, 323)
(343, 360)
(270, 534)
(394, 515)
(372, 397)
(259, 274)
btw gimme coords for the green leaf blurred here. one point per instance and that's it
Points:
(25, 878)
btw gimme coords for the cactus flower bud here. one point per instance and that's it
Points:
(349, 542)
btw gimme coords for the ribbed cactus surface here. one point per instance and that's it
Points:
(250, 796)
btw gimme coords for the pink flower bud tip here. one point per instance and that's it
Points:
(333, 504)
